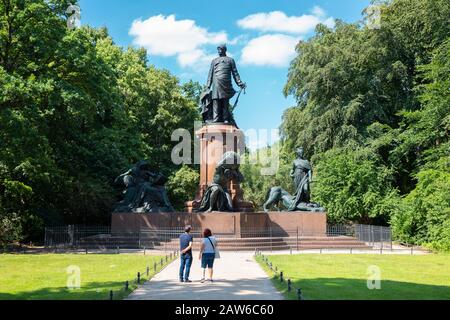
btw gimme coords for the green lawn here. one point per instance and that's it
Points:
(44, 277)
(342, 277)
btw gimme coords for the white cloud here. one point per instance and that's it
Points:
(278, 21)
(167, 36)
(197, 59)
(270, 50)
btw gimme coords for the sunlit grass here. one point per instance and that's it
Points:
(343, 277)
(44, 277)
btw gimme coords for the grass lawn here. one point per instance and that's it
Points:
(44, 277)
(344, 277)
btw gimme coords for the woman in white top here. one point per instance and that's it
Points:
(208, 253)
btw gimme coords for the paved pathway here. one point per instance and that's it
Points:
(237, 277)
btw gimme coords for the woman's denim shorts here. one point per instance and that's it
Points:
(208, 260)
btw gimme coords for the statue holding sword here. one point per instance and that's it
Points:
(215, 99)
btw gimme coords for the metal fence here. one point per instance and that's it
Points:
(354, 237)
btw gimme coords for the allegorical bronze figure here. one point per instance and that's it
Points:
(145, 191)
(217, 197)
(301, 174)
(215, 100)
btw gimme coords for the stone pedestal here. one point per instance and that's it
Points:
(234, 224)
(215, 140)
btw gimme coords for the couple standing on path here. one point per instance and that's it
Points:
(208, 253)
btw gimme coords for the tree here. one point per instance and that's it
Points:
(353, 185)
(426, 215)
(75, 111)
(373, 113)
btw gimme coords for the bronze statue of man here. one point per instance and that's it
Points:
(219, 82)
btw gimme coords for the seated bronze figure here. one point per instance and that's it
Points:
(144, 190)
(217, 197)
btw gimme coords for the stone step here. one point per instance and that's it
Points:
(226, 244)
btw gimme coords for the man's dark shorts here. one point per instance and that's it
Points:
(208, 260)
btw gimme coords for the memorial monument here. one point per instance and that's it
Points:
(220, 134)
(219, 202)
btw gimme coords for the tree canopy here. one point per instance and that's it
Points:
(373, 114)
(76, 110)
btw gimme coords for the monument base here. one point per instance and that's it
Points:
(237, 224)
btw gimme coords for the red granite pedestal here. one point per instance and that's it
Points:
(237, 224)
(215, 140)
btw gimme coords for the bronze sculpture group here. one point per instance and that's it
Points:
(145, 191)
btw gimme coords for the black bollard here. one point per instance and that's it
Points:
(289, 285)
(148, 270)
(126, 285)
(281, 276)
(111, 295)
(139, 278)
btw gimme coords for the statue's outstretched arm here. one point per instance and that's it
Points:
(236, 76)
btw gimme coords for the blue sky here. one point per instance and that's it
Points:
(260, 34)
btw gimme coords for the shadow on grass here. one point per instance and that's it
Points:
(357, 289)
(90, 291)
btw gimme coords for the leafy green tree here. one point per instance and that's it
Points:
(182, 186)
(373, 113)
(426, 215)
(346, 78)
(354, 186)
(75, 111)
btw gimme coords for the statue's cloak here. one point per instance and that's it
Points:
(220, 205)
(219, 78)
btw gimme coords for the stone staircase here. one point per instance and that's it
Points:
(226, 243)
(277, 243)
